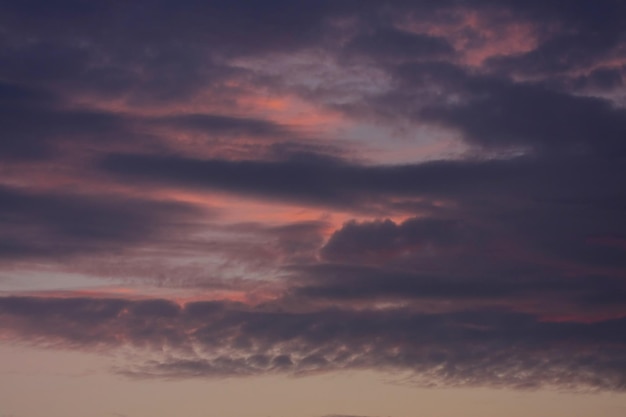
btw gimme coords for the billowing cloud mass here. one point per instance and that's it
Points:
(279, 187)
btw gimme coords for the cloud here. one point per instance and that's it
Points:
(530, 116)
(35, 124)
(579, 183)
(498, 262)
(223, 125)
(225, 339)
(389, 43)
(475, 255)
(308, 178)
(367, 242)
(585, 35)
(44, 224)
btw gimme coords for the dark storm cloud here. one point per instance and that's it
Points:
(167, 41)
(360, 241)
(148, 52)
(542, 251)
(31, 133)
(389, 43)
(545, 290)
(525, 212)
(492, 348)
(603, 79)
(246, 27)
(585, 33)
(500, 114)
(18, 104)
(39, 224)
(142, 30)
(341, 282)
(337, 182)
(164, 52)
(308, 178)
(37, 124)
(496, 113)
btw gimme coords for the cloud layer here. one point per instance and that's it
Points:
(411, 186)
(494, 348)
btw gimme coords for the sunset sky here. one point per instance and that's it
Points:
(325, 208)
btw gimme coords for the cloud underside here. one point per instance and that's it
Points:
(218, 339)
(431, 188)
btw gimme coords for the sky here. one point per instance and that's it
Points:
(329, 208)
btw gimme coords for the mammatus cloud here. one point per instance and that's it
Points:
(199, 339)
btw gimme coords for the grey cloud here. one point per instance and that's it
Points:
(390, 43)
(501, 114)
(542, 231)
(38, 124)
(359, 242)
(583, 182)
(492, 348)
(42, 224)
(223, 125)
(590, 34)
